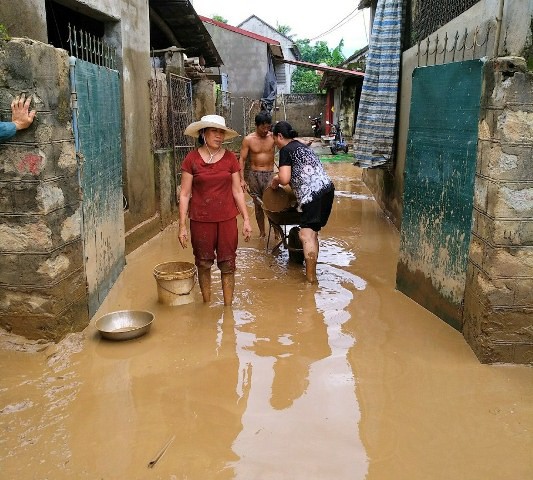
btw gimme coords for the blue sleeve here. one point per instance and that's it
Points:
(7, 130)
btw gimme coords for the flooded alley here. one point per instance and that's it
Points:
(345, 380)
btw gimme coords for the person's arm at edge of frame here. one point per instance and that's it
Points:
(7, 130)
(245, 148)
(283, 177)
(238, 195)
(185, 196)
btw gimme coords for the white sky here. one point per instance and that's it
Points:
(305, 19)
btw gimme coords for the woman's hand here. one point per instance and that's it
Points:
(246, 230)
(274, 183)
(183, 236)
(20, 112)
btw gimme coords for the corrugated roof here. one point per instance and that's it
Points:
(333, 76)
(325, 68)
(188, 29)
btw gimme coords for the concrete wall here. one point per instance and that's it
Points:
(498, 311)
(516, 39)
(166, 186)
(257, 26)
(24, 18)
(245, 62)
(347, 106)
(138, 170)
(127, 28)
(42, 277)
(296, 109)
(204, 98)
(497, 328)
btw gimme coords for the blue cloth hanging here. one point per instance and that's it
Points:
(376, 117)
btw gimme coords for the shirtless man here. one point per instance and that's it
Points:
(259, 146)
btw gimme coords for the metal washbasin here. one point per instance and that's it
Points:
(124, 324)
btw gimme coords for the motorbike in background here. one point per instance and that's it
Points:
(338, 144)
(316, 125)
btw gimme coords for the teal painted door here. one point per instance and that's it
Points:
(98, 127)
(439, 186)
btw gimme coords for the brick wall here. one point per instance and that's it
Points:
(498, 313)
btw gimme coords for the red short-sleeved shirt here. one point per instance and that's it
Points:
(211, 196)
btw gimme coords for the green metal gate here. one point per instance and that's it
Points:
(97, 127)
(439, 187)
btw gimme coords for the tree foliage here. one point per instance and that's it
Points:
(306, 80)
(284, 30)
(220, 18)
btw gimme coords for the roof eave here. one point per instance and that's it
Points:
(188, 29)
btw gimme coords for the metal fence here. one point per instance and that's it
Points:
(250, 108)
(90, 48)
(456, 48)
(180, 107)
(223, 105)
(171, 112)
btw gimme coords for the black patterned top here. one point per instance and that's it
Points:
(309, 180)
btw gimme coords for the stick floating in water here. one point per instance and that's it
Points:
(151, 464)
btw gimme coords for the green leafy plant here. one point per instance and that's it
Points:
(3, 33)
(284, 30)
(306, 80)
(219, 18)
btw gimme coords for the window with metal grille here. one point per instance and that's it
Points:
(281, 76)
(64, 31)
(427, 16)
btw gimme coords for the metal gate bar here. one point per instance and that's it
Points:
(180, 112)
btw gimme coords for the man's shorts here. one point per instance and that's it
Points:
(258, 181)
(315, 214)
(212, 240)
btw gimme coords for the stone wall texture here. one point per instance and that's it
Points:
(498, 313)
(296, 109)
(43, 290)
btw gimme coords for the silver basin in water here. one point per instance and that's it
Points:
(124, 324)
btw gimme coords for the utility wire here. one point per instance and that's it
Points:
(333, 28)
(339, 24)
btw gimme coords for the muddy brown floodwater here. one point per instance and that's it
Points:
(345, 380)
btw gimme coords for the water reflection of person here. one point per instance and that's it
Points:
(294, 345)
(211, 407)
(292, 364)
(302, 388)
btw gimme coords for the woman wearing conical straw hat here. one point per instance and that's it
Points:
(212, 197)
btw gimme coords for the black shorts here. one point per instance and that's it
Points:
(315, 214)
